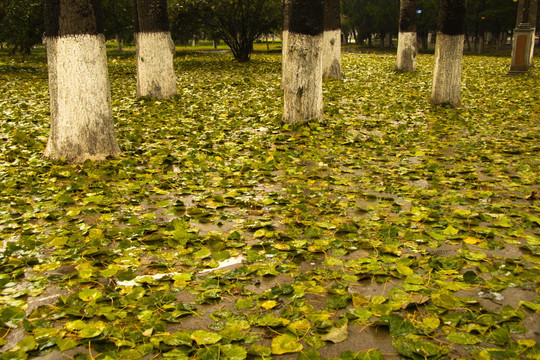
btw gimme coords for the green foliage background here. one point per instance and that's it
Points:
(392, 217)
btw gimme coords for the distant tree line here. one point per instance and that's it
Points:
(238, 23)
(365, 19)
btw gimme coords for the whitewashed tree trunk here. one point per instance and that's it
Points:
(80, 103)
(407, 51)
(155, 70)
(155, 50)
(449, 53)
(303, 98)
(447, 72)
(332, 54)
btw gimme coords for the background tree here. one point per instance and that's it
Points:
(187, 21)
(361, 24)
(302, 81)
(367, 17)
(155, 50)
(384, 15)
(237, 22)
(426, 20)
(491, 16)
(21, 24)
(407, 48)
(119, 20)
(449, 53)
(80, 101)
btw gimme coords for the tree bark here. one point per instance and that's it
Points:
(284, 37)
(80, 103)
(118, 42)
(407, 47)
(302, 76)
(332, 40)
(449, 53)
(155, 50)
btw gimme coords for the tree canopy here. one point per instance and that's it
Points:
(21, 24)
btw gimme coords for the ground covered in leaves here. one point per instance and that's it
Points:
(392, 230)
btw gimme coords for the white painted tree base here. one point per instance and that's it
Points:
(447, 71)
(407, 51)
(80, 100)
(332, 54)
(155, 65)
(302, 79)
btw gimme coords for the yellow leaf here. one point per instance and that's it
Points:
(471, 241)
(269, 304)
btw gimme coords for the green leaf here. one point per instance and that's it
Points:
(336, 301)
(451, 231)
(178, 338)
(309, 354)
(532, 306)
(28, 343)
(66, 343)
(272, 321)
(398, 326)
(203, 253)
(260, 350)
(462, 338)
(92, 329)
(336, 334)
(370, 355)
(234, 352)
(90, 295)
(202, 337)
(286, 343)
(413, 347)
(208, 353)
(446, 301)
(299, 328)
(404, 270)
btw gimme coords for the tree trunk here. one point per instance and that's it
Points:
(481, 42)
(118, 42)
(390, 42)
(284, 37)
(80, 100)
(155, 50)
(449, 53)
(302, 76)
(332, 40)
(407, 48)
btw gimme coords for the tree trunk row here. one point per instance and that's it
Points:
(81, 116)
(79, 88)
